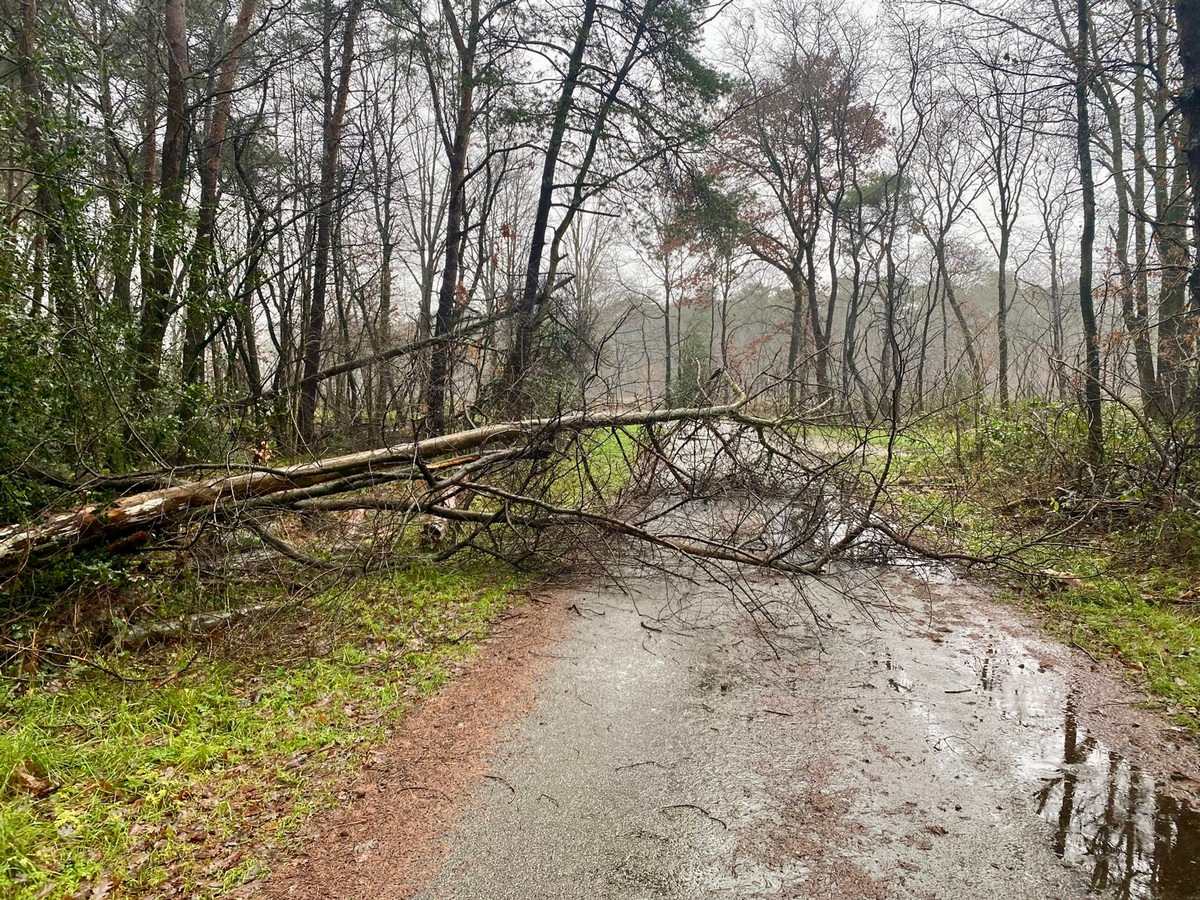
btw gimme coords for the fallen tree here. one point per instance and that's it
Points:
(707, 494)
(129, 522)
(714, 485)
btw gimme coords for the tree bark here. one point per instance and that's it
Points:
(156, 308)
(820, 335)
(335, 114)
(1143, 344)
(1091, 337)
(796, 341)
(443, 323)
(1187, 19)
(1002, 311)
(1171, 239)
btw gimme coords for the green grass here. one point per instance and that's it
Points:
(1158, 645)
(165, 779)
(610, 454)
(597, 467)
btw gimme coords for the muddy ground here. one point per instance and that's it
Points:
(643, 739)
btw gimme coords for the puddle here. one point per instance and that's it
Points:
(1108, 818)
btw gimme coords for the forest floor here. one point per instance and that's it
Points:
(927, 742)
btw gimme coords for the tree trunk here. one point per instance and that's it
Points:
(1134, 318)
(1091, 337)
(1057, 338)
(923, 350)
(129, 521)
(1002, 311)
(850, 369)
(335, 114)
(820, 335)
(1143, 343)
(1171, 240)
(1187, 19)
(156, 307)
(48, 204)
(383, 378)
(443, 323)
(198, 301)
(959, 315)
(145, 237)
(521, 355)
(122, 210)
(796, 343)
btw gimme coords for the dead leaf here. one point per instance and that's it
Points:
(27, 780)
(102, 888)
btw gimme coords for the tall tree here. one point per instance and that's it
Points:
(336, 96)
(169, 214)
(52, 255)
(456, 116)
(1187, 19)
(800, 131)
(1091, 334)
(947, 183)
(201, 260)
(632, 91)
(1002, 98)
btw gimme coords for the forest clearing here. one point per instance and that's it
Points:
(484, 449)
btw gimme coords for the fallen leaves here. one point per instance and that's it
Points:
(26, 778)
(100, 889)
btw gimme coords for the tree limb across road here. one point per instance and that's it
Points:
(140, 515)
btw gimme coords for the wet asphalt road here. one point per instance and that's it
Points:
(930, 751)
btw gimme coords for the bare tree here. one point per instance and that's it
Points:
(1003, 100)
(948, 181)
(798, 132)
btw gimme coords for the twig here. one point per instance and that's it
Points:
(700, 809)
(503, 781)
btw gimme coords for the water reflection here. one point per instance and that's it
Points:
(1109, 818)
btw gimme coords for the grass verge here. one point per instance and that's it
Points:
(171, 777)
(1118, 574)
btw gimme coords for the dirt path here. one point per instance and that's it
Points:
(937, 750)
